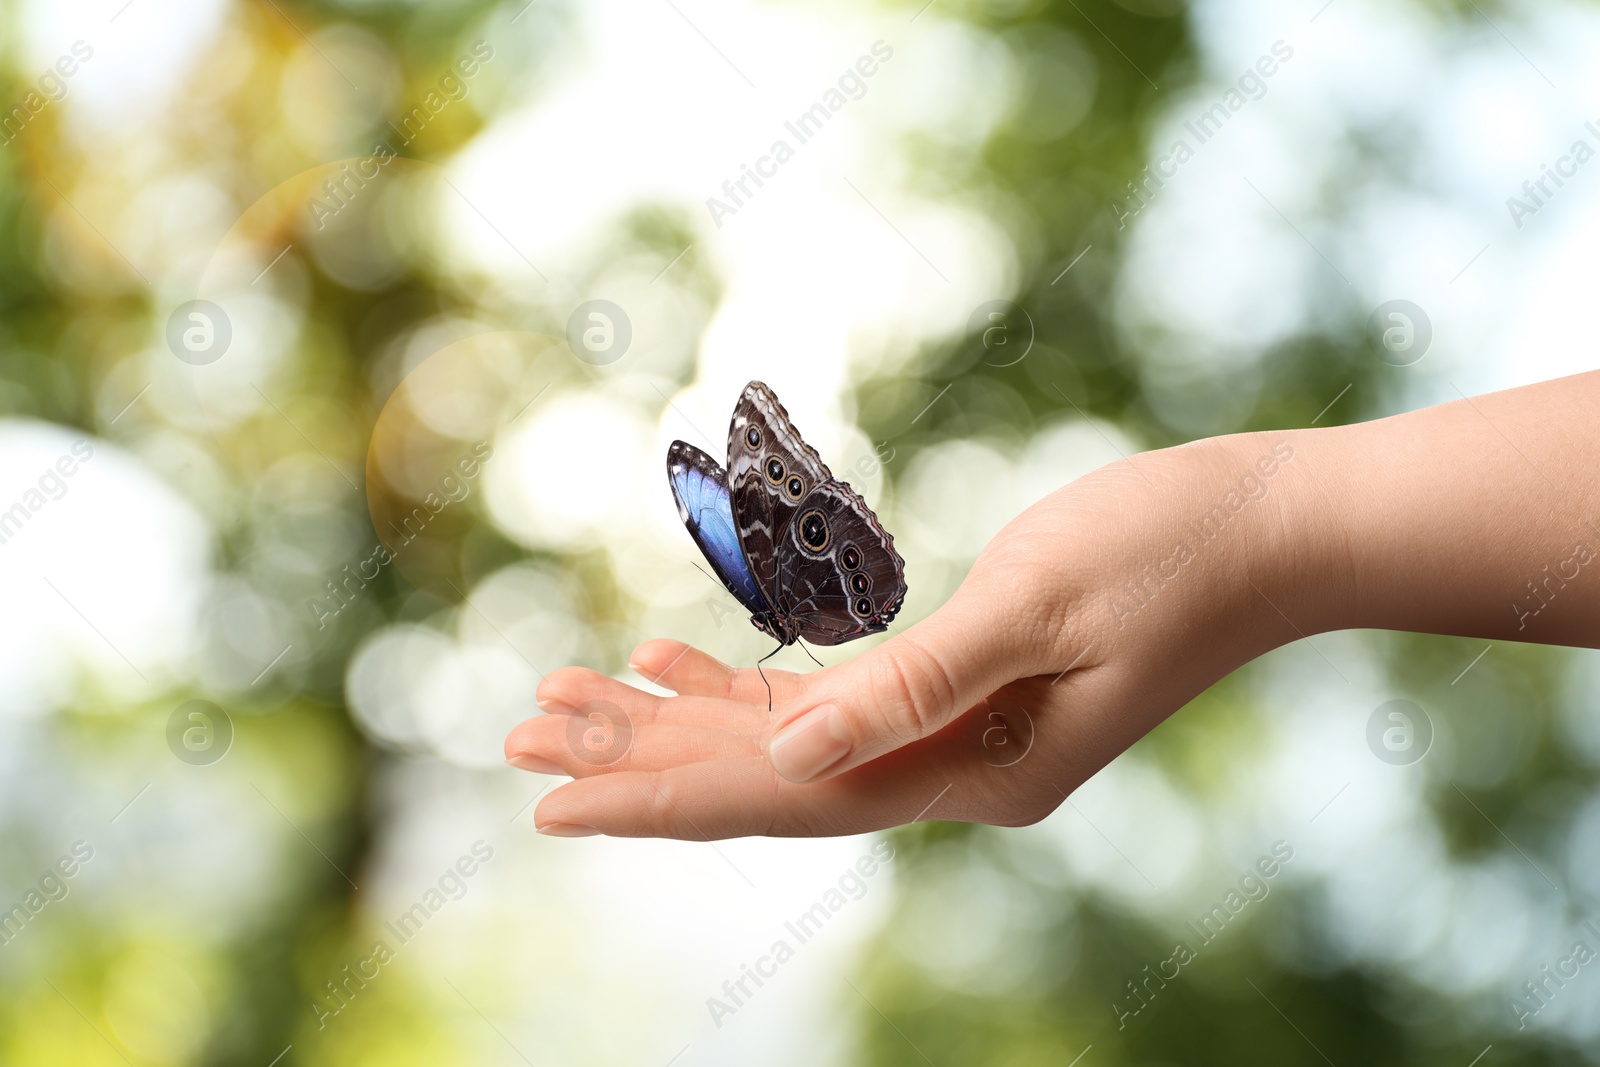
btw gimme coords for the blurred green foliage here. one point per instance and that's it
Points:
(1059, 955)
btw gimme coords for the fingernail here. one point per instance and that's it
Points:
(567, 829)
(551, 706)
(811, 744)
(536, 764)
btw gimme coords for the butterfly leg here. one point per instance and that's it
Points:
(763, 673)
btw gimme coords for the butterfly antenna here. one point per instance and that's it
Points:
(703, 571)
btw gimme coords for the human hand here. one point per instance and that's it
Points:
(1046, 663)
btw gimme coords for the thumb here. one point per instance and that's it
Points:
(905, 689)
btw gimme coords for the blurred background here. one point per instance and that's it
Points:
(316, 450)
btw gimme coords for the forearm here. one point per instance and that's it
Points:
(1478, 517)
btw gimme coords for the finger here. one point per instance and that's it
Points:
(685, 669)
(681, 667)
(611, 708)
(573, 746)
(743, 797)
(909, 687)
(570, 691)
(566, 688)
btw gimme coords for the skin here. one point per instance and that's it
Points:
(1477, 518)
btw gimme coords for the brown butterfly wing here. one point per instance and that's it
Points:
(770, 471)
(839, 575)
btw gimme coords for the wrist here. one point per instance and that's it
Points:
(1317, 584)
(1194, 558)
(1258, 546)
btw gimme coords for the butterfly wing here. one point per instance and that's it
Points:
(770, 471)
(700, 486)
(839, 575)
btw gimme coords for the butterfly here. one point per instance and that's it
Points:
(797, 547)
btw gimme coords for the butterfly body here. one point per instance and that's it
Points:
(806, 556)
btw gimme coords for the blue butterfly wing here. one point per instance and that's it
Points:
(700, 486)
